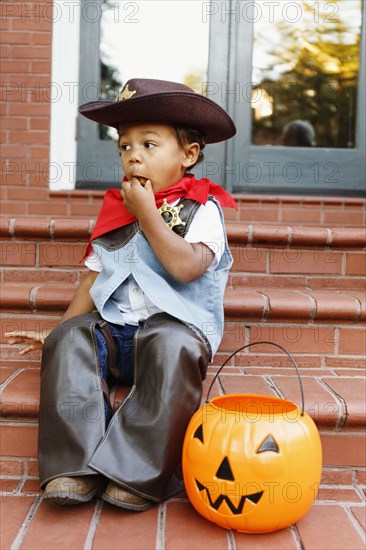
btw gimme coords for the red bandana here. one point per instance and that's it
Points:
(114, 214)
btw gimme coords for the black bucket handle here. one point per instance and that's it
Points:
(256, 344)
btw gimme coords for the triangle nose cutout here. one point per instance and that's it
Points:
(224, 471)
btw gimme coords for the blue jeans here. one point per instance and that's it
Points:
(123, 339)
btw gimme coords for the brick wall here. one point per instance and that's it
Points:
(26, 52)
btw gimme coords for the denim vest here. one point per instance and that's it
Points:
(126, 251)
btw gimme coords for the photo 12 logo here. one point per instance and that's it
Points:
(70, 10)
(252, 11)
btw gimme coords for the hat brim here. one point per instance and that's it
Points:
(177, 108)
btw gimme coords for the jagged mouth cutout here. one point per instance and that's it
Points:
(235, 510)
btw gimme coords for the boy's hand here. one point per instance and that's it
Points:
(138, 199)
(33, 339)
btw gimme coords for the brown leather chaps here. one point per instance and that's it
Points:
(141, 447)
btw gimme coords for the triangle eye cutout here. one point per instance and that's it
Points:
(269, 444)
(199, 433)
(224, 471)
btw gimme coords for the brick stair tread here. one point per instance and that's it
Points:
(262, 303)
(295, 236)
(334, 395)
(299, 305)
(333, 401)
(284, 234)
(309, 210)
(335, 521)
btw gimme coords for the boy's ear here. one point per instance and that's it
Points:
(191, 153)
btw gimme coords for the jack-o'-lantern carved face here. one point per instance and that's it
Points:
(251, 463)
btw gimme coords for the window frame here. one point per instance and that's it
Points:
(94, 156)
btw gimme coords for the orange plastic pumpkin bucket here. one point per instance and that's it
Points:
(252, 462)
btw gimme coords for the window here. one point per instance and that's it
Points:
(297, 61)
(306, 76)
(127, 39)
(291, 75)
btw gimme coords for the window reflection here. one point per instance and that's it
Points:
(305, 72)
(152, 39)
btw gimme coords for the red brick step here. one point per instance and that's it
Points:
(333, 402)
(261, 304)
(264, 256)
(282, 209)
(301, 287)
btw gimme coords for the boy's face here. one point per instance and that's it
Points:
(151, 151)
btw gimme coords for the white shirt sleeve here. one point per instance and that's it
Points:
(93, 262)
(207, 228)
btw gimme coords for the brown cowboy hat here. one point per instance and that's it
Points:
(161, 101)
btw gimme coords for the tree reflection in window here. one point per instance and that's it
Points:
(305, 69)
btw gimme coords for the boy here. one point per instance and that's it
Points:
(158, 264)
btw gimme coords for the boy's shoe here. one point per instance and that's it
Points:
(68, 491)
(124, 499)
